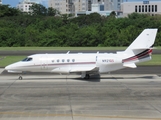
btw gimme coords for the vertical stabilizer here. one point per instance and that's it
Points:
(140, 50)
(144, 41)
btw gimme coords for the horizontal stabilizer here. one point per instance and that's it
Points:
(130, 65)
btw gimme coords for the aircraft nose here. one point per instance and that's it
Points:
(12, 69)
(8, 67)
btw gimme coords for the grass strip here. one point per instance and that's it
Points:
(6, 60)
(156, 60)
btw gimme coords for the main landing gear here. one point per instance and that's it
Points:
(85, 76)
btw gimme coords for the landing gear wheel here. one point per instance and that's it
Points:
(87, 76)
(20, 78)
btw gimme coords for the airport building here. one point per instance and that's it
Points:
(147, 7)
(113, 5)
(69, 6)
(95, 7)
(78, 7)
(24, 5)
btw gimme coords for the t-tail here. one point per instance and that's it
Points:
(141, 48)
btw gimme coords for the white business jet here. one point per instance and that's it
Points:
(89, 63)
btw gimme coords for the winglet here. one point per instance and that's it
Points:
(68, 52)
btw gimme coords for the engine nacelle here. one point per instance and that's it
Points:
(109, 63)
(110, 60)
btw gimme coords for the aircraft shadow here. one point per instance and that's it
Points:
(144, 77)
(98, 78)
(93, 78)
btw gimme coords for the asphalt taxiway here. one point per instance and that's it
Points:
(68, 97)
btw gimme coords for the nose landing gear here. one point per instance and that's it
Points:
(20, 78)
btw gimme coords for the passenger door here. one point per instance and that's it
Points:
(44, 62)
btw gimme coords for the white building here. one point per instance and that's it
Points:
(0, 2)
(24, 5)
(85, 6)
(69, 6)
(98, 7)
(60, 5)
(114, 5)
(147, 7)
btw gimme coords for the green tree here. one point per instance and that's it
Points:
(38, 9)
(6, 10)
(113, 14)
(85, 20)
(32, 36)
(52, 12)
(87, 30)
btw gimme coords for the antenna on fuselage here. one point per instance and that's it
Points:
(68, 52)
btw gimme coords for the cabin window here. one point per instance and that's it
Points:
(63, 60)
(52, 61)
(68, 60)
(73, 60)
(58, 60)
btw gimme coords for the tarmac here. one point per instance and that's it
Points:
(68, 97)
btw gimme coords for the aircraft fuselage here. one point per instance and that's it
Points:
(68, 63)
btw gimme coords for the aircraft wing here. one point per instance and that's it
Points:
(84, 69)
(89, 69)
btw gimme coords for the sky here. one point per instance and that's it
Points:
(13, 3)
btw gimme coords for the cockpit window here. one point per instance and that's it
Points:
(27, 59)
